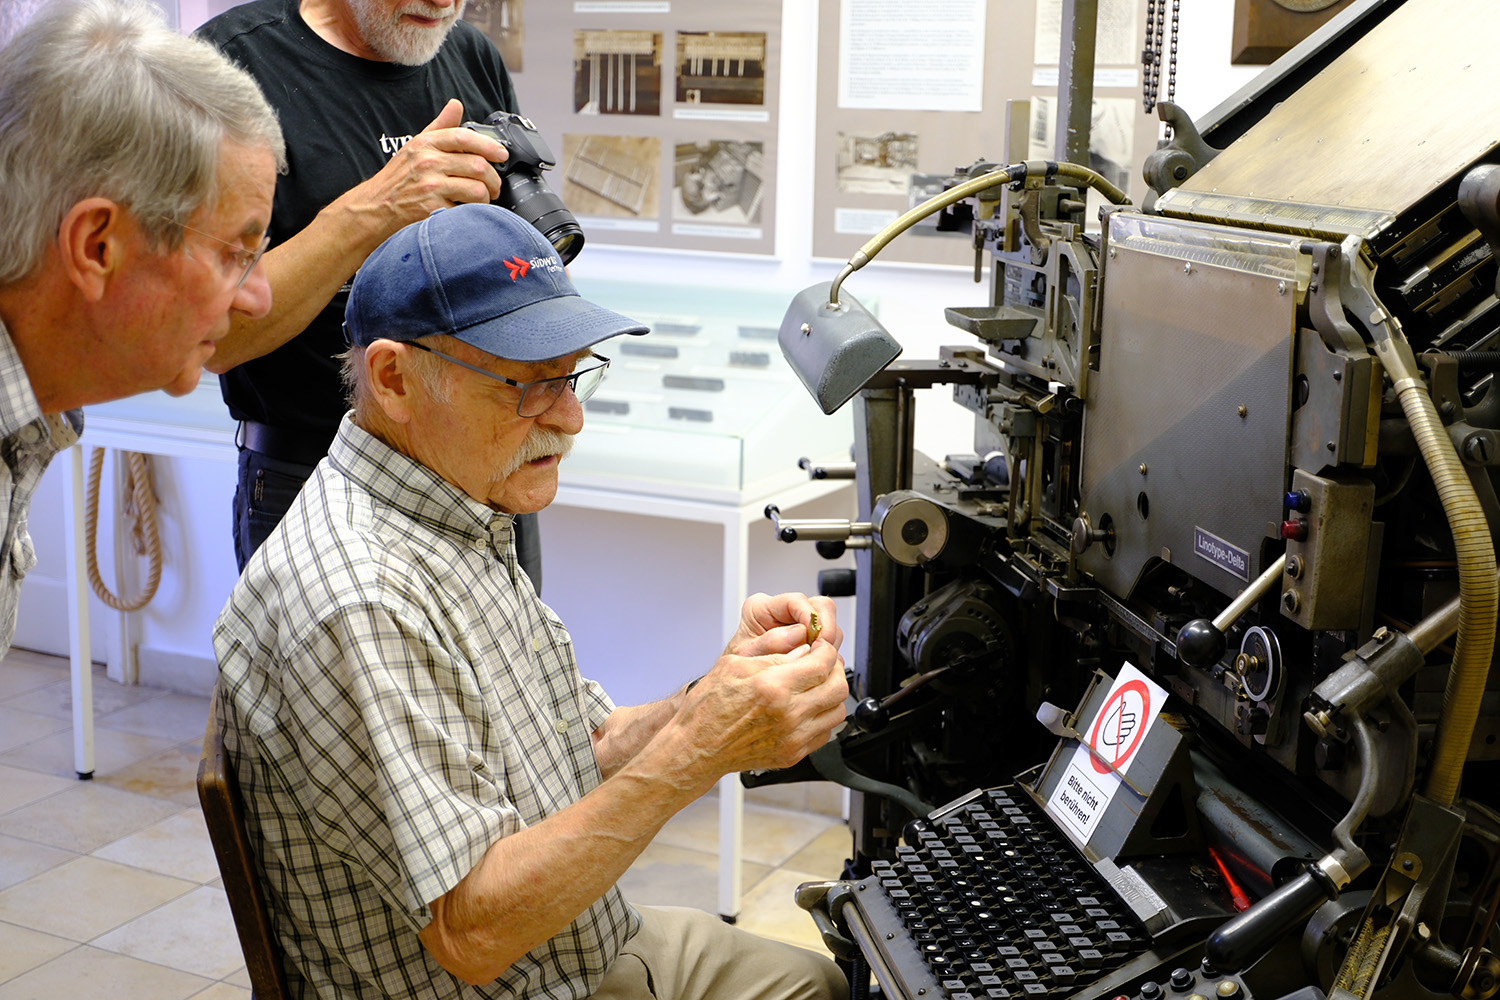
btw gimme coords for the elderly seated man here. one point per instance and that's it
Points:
(439, 802)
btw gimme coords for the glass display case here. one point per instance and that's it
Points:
(704, 406)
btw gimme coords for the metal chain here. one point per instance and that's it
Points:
(1151, 55)
(1172, 64)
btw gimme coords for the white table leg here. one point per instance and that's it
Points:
(80, 661)
(731, 792)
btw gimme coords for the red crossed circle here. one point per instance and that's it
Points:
(1124, 743)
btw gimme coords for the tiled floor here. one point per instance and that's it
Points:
(109, 889)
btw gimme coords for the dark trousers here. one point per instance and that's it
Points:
(267, 486)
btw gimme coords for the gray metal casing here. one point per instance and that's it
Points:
(1194, 387)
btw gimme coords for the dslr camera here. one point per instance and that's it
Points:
(524, 191)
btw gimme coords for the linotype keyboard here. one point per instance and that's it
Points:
(998, 904)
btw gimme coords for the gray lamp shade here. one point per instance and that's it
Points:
(834, 349)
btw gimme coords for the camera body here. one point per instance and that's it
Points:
(524, 191)
(529, 152)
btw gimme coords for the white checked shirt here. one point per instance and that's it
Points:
(28, 441)
(396, 699)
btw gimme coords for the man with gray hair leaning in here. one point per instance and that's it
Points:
(439, 803)
(136, 174)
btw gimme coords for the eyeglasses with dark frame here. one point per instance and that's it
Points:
(538, 397)
(243, 259)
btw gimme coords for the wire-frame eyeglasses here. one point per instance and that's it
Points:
(243, 259)
(539, 396)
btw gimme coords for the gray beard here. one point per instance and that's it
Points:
(399, 43)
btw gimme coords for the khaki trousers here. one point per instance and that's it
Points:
(687, 954)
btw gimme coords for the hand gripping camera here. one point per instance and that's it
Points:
(524, 191)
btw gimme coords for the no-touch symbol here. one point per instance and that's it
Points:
(1120, 725)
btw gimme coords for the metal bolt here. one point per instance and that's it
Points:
(1338, 376)
(1294, 567)
(1113, 253)
(806, 329)
(1143, 468)
(1332, 446)
(1241, 410)
(1187, 268)
(1407, 864)
(1312, 286)
(1316, 267)
(1281, 288)
(1477, 448)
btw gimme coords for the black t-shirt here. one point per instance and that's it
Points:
(343, 118)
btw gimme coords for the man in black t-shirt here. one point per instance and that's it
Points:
(371, 95)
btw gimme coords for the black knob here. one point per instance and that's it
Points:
(1200, 644)
(1242, 939)
(830, 548)
(870, 715)
(836, 582)
(1181, 979)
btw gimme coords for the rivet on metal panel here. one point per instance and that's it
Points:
(1281, 288)
(1187, 268)
(1143, 468)
(1241, 410)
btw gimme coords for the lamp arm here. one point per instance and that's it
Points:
(1015, 173)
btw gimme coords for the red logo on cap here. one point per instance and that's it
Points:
(517, 267)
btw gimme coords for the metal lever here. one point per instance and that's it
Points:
(1201, 642)
(832, 470)
(818, 530)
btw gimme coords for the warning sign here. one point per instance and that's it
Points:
(1121, 723)
(1116, 732)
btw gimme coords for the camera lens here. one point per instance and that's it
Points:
(529, 197)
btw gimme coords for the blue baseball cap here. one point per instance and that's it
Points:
(482, 274)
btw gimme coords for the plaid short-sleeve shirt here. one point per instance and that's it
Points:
(28, 442)
(396, 698)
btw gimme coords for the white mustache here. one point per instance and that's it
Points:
(540, 443)
(424, 10)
